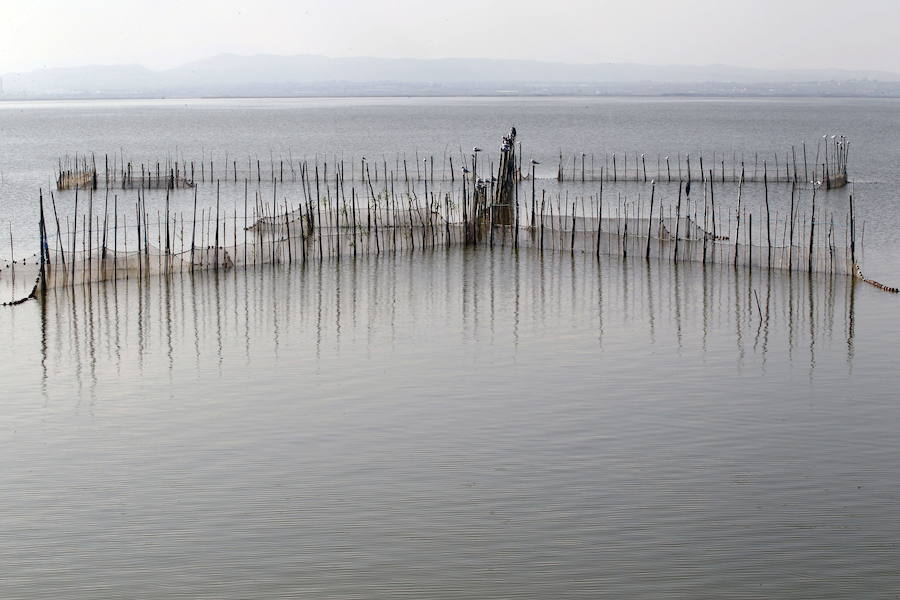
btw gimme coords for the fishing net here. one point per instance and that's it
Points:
(299, 236)
(327, 224)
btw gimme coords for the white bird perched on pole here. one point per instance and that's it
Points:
(476, 149)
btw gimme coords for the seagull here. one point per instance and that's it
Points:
(476, 149)
(465, 170)
(534, 162)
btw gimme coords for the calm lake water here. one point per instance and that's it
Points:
(454, 423)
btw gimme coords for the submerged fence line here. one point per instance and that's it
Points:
(338, 217)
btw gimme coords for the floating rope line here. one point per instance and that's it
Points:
(31, 296)
(880, 286)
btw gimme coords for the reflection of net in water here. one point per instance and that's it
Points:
(756, 309)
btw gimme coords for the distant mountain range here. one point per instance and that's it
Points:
(267, 75)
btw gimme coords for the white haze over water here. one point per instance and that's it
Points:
(801, 34)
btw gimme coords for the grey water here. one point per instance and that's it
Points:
(453, 422)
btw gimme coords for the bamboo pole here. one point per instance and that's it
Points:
(812, 227)
(737, 235)
(677, 221)
(852, 234)
(650, 217)
(193, 230)
(768, 221)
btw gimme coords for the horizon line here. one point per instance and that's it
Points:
(189, 62)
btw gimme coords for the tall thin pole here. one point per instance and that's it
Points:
(737, 235)
(650, 216)
(193, 229)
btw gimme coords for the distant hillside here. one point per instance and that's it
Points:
(267, 75)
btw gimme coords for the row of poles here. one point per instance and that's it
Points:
(828, 167)
(329, 223)
(82, 171)
(280, 231)
(326, 210)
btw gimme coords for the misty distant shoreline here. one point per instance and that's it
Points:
(9, 99)
(269, 76)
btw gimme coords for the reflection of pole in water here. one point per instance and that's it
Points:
(851, 324)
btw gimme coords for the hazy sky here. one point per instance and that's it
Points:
(163, 33)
